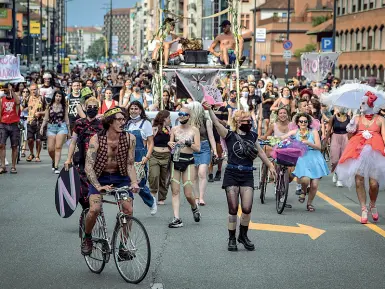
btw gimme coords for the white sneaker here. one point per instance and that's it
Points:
(335, 179)
(57, 171)
(154, 208)
(339, 184)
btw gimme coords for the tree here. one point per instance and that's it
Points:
(307, 48)
(319, 20)
(97, 49)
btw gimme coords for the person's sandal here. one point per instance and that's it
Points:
(364, 215)
(310, 208)
(13, 171)
(3, 170)
(30, 158)
(37, 160)
(302, 197)
(373, 212)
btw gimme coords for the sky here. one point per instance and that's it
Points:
(91, 12)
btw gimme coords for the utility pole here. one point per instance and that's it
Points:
(28, 35)
(14, 29)
(255, 34)
(41, 34)
(48, 27)
(53, 41)
(110, 54)
(334, 30)
(287, 38)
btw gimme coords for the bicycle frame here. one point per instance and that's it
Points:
(120, 194)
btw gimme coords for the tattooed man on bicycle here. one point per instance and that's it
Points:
(109, 163)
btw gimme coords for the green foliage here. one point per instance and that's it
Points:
(308, 48)
(97, 49)
(319, 20)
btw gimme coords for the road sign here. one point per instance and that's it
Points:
(327, 44)
(260, 35)
(287, 54)
(263, 57)
(287, 45)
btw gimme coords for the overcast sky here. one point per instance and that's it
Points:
(90, 12)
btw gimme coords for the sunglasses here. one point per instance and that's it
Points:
(302, 121)
(120, 119)
(183, 114)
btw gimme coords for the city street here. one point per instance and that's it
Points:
(325, 249)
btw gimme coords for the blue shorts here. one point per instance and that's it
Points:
(232, 57)
(115, 179)
(55, 128)
(204, 156)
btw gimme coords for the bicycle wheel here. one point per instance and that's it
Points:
(131, 248)
(263, 182)
(97, 260)
(281, 189)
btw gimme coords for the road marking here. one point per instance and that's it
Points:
(312, 232)
(350, 213)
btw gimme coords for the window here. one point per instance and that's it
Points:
(343, 10)
(245, 0)
(354, 8)
(365, 6)
(245, 20)
(339, 11)
(371, 5)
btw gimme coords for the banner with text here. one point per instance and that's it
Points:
(316, 66)
(10, 69)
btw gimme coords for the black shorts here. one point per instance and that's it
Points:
(33, 130)
(238, 178)
(266, 114)
(11, 131)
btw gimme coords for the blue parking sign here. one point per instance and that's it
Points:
(327, 44)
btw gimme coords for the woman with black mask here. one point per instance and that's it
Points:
(84, 129)
(238, 180)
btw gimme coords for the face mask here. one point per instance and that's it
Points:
(291, 86)
(135, 117)
(8, 96)
(92, 112)
(184, 121)
(245, 94)
(233, 99)
(286, 96)
(129, 86)
(245, 127)
(137, 89)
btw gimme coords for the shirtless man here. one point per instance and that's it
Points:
(170, 39)
(109, 163)
(226, 43)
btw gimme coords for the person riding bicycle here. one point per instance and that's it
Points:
(109, 163)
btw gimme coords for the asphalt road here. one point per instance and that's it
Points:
(41, 250)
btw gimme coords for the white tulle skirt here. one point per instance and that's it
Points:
(370, 164)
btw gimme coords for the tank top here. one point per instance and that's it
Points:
(277, 132)
(340, 127)
(133, 98)
(56, 117)
(8, 111)
(236, 155)
(104, 107)
(161, 139)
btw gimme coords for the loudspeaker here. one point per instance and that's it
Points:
(196, 56)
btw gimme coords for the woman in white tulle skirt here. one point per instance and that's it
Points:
(363, 160)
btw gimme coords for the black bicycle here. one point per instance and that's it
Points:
(130, 243)
(21, 138)
(263, 174)
(281, 186)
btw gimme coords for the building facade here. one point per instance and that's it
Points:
(121, 18)
(79, 39)
(361, 38)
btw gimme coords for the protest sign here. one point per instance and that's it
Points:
(10, 69)
(316, 66)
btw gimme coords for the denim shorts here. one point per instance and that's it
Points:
(54, 129)
(204, 156)
(116, 179)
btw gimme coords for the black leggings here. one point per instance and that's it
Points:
(233, 193)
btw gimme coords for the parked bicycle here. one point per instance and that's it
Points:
(129, 237)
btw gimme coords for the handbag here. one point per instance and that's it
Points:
(249, 149)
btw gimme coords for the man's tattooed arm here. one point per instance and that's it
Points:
(90, 161)
(131, 159)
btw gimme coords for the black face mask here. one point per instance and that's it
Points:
(245, 127)
(92, 112)
(183, 121)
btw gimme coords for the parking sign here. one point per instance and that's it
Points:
(327, 44)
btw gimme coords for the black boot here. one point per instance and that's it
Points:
(218, 176)
(232, 241)
(211, 178)
(243, 239)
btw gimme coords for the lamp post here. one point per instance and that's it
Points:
(41, 35)
(14, 28)
(110, 48)
(28, 34)
(287, 38)
(334, 30)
